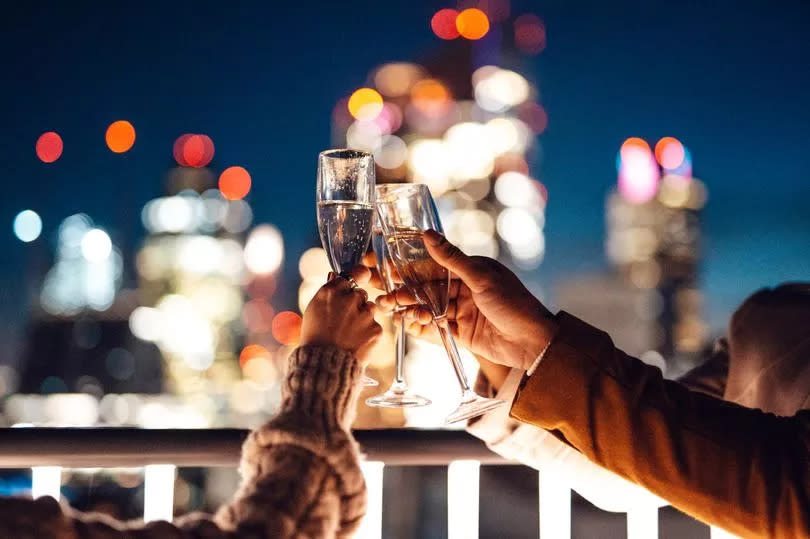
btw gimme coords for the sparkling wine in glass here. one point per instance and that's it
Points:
(405, 212)
(398, 395)
(345, 196)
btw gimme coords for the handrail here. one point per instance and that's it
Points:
(104, 447)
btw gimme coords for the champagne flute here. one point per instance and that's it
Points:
(398, 395)
(405, 212)
(345, 195)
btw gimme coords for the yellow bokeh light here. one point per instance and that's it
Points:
(365, 104)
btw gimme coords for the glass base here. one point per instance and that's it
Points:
(369, 382)
(398, 396)
(472, 405)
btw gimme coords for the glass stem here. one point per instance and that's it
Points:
(399, 376)
(455, 358)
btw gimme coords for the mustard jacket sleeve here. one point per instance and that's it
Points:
(734, 467)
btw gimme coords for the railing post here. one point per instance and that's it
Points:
(554, 506)
(463, 477)
(46, 481)
(371, 527)
(158, 492)
(642, 523)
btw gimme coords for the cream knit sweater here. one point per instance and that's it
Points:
(300, 473)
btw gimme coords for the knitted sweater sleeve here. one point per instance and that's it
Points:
(300, 472)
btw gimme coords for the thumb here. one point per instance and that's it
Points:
(451, 257)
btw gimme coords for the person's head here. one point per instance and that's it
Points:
(769, 350)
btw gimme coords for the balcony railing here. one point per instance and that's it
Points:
(161, 451)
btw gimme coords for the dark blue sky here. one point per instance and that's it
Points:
(730, 80)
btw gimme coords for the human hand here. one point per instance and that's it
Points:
(341, 315)
(490, 311)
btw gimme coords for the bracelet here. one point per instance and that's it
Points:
(539, 359)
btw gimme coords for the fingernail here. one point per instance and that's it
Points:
(432, 237)
(331, 276)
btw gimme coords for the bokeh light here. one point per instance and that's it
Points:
(251, 352)
(314, 264)
(191, 150)
(634, 146)
(396, 79)
(49, 147)
(264, 250)
(120, 136)
(535, 116)
(430, 97)
(391, 153)
(469, 150)
(429, 163)
(518, 190)
(257, 315)
(685, 168)
(365, 104)
(472, 23)
(508, 135)
(669, 152)
(389, 119)
(364, 136)
(497, 90)
(530, 34)
(638, 173)
(27, 226)
(287, 328)
(238, 217)
(443, 24)
(234, 183)
(96, 245)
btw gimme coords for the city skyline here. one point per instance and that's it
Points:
(743, 123)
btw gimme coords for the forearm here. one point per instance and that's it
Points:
(537, 448)
(300, 475)
(303, 464)
(735, 467)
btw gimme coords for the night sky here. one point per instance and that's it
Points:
(730, 80)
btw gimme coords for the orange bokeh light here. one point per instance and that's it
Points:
(472, 23)
(634, 145)
(234, 183)
(669, 153)
(430, 96)
(287, 328)
(49, 147)
(443, 24)
(253, 351)
(120, 136)
(365, 104)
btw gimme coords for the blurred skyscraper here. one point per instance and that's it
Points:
(651, 304)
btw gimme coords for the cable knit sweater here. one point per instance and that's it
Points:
(300, 473)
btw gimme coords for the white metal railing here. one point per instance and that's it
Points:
(160, 452)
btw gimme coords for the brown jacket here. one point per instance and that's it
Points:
(742, 469)
(300, 476)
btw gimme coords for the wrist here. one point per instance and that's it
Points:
(543, 332)
(322, 382)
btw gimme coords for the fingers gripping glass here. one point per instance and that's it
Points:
(345, 196)
(405, 212)
(398, 395)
